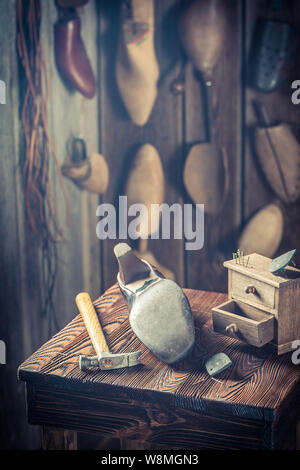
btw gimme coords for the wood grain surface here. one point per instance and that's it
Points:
(58, 439)
(247, 402)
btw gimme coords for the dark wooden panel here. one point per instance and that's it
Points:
(204, 268)
(126, 419)
(120, 138)
(280, 109)
(58, 439)
(14, 431)
(22, 327)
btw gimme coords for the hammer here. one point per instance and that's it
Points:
(104, 359)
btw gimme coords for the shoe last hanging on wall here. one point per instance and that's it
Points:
(70, 53)
(137, 69)
(278, 152)
(146, 185)
(202, 29)
(90, 173)
(263, 232)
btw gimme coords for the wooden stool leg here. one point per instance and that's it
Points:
(58, 439)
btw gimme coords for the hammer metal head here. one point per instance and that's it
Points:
(108, 361)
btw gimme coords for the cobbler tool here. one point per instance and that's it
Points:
(278, 265)
(104, 359)
(279, 154)
(70, 54)
(217, 363)
(203, 32)
(137, 69)
(160, 314)
(272, 46)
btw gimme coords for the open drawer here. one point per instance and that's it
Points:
(243, 322)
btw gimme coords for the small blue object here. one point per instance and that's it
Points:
(278, 264)
(217, 363)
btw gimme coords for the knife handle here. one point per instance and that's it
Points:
(93, 326)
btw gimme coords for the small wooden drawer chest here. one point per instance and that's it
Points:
(262, 307)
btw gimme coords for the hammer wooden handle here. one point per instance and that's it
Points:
(88, 313)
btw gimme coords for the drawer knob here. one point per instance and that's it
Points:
(231, 329)
(250, 290)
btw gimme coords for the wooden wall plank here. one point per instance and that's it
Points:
(22, 326)
(71, 114)
(14, 328)
(204, 268)
(280, 109)
(120, 138)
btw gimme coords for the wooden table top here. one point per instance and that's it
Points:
(259, 384)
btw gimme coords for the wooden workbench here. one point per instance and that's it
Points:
(255, 404)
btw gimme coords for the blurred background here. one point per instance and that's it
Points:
(254, 119)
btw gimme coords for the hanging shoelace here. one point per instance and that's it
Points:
(41, 211)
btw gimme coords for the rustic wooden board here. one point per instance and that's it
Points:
(161, 428)
(257, 387)
(18, 297)
(58, 439)
(22, 327)
(70, 114)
